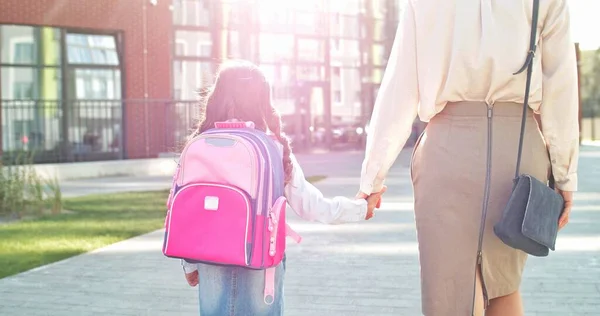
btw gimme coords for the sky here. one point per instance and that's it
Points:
(585, 23)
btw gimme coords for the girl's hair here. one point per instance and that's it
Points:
(242, 92)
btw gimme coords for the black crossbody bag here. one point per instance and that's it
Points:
(530, 220)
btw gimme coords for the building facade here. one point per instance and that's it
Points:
(324, 58)
(94, 80)
(67, 68)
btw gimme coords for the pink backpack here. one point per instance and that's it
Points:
(226, 205)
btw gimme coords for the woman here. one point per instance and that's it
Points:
(452, 63)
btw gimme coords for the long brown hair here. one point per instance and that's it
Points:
(241, 91)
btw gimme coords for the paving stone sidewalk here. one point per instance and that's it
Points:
(359, 269)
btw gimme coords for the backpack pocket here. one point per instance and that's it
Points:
(210, 223)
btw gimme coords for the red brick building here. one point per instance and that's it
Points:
(68, 65)
(105, 79)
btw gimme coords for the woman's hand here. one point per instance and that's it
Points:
(192, 278)
(373, 201)
(564, 217)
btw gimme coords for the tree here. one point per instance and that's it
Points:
(590, 83)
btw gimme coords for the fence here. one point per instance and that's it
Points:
(88, 130)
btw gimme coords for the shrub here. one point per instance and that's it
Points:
(24, 193)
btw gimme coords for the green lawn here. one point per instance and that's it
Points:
(96, 221)
(99, 220)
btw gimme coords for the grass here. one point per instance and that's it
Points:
(96, 221)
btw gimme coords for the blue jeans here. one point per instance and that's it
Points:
(235, 291)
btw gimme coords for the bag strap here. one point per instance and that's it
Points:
(529, 66)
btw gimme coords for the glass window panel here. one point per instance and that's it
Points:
(19, 83)
(276, 47)
(99, 56)
(94, 126)
(278, 74)
(240, 45)
(379, 8)
(311, 50)
(379, 55)
(310, 5)
(274, 15)
(379, 30)
(311, 73)
(19, 44)
(111, 57)
(94, 119)
(345, 26)
(346, 6)
(29, 123)
(92, 49)
(191, 12)
(378, 75)
(345, 52)
(95, 84)
(190, 77)
(310, 23)
(177, 80)
(238, 13)
(234, 45)
(193, 43)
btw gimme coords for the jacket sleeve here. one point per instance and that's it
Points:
(310, 204)
(188, 267)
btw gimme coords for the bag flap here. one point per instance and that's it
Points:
(542, 213)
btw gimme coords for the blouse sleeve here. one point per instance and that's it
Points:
(560, 101)
(395, 108)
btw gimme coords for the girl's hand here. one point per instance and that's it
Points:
(373, 202)
(192, 278)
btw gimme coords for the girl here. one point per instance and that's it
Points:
(241, 92)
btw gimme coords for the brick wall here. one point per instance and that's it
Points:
(125, 16)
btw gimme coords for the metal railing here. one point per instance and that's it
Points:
(91, 130)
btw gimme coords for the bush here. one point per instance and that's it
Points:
(24, 193)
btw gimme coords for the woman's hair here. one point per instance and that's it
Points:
(242, 92)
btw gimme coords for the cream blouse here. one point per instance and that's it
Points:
(467, 50)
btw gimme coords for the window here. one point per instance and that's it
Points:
(31, 92)
(23, 53)
(311, 50)
(23, 90)
(276, 47)
(92, 49)
(180, 48)
(337, 96)
(191, 12)
(193, 43)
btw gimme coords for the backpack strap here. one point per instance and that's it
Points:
(289, 232)
(270, 286)
(269, 291)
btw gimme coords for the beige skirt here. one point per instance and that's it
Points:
(449, 168)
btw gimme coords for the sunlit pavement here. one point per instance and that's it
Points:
(360, 269)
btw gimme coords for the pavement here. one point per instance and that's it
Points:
(369, 268)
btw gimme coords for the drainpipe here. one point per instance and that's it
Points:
(145, 71)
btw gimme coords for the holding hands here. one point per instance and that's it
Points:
(373, 201)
